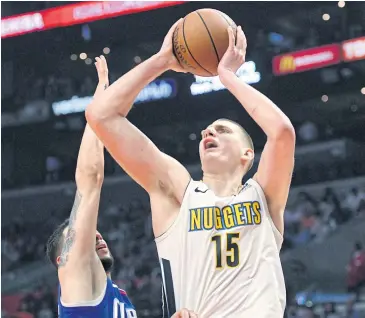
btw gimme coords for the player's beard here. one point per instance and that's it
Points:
(107, 263)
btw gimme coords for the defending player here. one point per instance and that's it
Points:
(218, 241)
(78, 250)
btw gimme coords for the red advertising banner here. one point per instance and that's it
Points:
(353, 50)
(74, 14)
(305, 60)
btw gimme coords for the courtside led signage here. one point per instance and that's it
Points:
(353, 50)
(157, 90)
(203, 85)
(75, 14)
(306, 60)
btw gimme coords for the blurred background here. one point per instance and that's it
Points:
(308, 57)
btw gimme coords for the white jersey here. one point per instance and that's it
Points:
(220, 258)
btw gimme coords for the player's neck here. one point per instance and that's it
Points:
(223, 185)
(109, 275)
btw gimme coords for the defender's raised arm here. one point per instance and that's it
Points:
(77, 258)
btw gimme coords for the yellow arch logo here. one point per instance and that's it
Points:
(287, 64)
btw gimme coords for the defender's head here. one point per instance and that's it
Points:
(57, 239)
(226, 147)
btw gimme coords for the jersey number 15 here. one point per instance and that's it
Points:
(231, 251)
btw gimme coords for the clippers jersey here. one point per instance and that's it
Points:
(220, 258)
(112, 303)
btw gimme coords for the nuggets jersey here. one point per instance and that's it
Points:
(112, 303)
(220, 257)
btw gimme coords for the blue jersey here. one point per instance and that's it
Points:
(113, 304)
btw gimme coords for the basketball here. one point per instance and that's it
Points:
(201, 39)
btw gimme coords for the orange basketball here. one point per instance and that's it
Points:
(201, 39)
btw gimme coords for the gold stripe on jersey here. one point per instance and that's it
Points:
(230, 216)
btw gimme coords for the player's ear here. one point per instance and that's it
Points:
(247, 156)
(58, 259)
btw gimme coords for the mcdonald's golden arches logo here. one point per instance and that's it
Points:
(287, 64)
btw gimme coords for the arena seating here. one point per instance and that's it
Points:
(314, 213)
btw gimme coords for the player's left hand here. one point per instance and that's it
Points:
(184, 313)
(102, 68)
(235, 55)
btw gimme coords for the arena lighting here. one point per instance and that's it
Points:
(363, 91)
(77, 13)
(341, 4)
(88, 61)
(73, 57)
(106, 50)
(83, 56)
(354, 108)
(203, 85)
(353, 49)
(137, 59)
(324, 98)
(326, 17)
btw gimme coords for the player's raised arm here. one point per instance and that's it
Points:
(78, 249)
(277, 160)
(137, 154)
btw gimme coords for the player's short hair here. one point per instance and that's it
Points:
(246, 137)
(55, 241)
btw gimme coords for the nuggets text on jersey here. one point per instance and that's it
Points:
(230, 216)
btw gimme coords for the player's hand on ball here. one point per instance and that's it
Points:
(102, 69)
(166, 51)
(235, 55)
(184, 313)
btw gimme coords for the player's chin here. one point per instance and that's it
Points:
(103, 252)
(210, 156)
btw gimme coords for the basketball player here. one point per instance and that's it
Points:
(218, 240)
(78, 250)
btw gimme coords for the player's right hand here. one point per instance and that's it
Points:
(184, 313)
(166, 52)
(102, 68)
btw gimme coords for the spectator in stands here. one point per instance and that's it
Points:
(351, 312)
(330, 311)
(44, 311)
(25, 309)
(302, 217)
(361, 209)
(353, 200)
(330, 207)
(356, 269)
(303, 312)
(318, 228)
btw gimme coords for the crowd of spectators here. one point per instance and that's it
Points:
(307, 218)
(50, 89)
(131, 239)
(356, 270)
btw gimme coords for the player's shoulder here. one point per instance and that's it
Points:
(119, 293)
(116, 288)
(197, 186)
